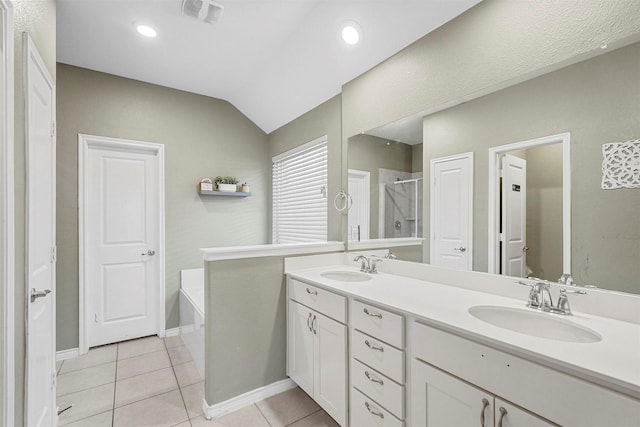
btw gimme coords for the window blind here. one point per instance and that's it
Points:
(299, 183)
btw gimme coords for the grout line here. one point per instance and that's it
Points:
(184, 403)
(115, 384)
(84, 418)
(306, 416)
(262, 413)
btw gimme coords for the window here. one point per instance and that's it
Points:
(300, 193)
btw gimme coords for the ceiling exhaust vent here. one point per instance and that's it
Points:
(203, 10)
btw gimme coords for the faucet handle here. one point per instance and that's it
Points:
(375, 259)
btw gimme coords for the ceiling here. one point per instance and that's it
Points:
(274, 60)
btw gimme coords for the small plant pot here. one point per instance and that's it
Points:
(227, 188)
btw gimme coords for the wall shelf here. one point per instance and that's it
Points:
(224, 193)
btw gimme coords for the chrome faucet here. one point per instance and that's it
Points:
(540, 298)
(364, 263)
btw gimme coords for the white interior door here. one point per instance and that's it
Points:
(514, 216)
(359, 213)
(452, 212)
(122, 240)
(41, 271)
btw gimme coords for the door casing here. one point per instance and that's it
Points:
(85, 142)
(7, 223)
(494, 196)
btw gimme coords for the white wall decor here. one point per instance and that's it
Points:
(621, 165)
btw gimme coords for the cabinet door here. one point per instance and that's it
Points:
(439, 399)
(509, 415)
(330, 387)
(300, 346)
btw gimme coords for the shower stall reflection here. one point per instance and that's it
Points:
(402, 208)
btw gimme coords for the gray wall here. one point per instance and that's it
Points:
(369, 153)
(325, 119)
(39, 20)
(598, 102)
(495, 44)
(245, 326)
(544, 210)
(203, 137)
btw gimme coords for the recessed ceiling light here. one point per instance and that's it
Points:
(146, 31)
(350, 33)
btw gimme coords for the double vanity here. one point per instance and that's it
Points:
(404, 347)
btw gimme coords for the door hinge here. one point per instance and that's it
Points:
(501, 237)
(54, 254)
(53, 380)
(501, 173)
(53, 129)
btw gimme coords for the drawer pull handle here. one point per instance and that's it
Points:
(373, 347)
(368, 313)
(310, 292)
(372, 412)
(503, 412)
(485, 403)
(313, 325)
(373, 380)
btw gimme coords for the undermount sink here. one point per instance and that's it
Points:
(535, 323)
(346, 276)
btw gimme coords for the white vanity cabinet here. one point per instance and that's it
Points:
(317, 346)
(377, 366)
(456, 381)
(439, 399)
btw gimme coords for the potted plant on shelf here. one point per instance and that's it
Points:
(227, 184)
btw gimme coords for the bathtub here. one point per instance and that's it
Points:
(192, 314)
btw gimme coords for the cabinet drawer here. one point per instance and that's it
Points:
(325, 302)
(364, 412)
(379, 323)
(378, 387)
(380, 356)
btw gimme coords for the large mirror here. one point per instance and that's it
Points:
(595, 102)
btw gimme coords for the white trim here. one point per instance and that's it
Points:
(248, 398)
(84, 142)
(494, 170)
(67, 354)
(392, 242)
(259, 251)
(173, 332)
(7, 224)
(469, 155)
(300, 148)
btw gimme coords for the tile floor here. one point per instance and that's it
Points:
(154, 382)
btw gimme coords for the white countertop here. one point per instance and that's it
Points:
(613, 362)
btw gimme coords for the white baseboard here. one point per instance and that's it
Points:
(173, 332)
(67, 354)
(248, 398)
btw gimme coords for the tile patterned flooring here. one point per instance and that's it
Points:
(154, 382)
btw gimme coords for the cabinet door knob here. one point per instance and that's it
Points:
(372, 412)
(373, 347)
(485, 403)
(503, 412)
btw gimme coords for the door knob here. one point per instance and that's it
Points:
(39, 294)
(460, 249)
(149, 253)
